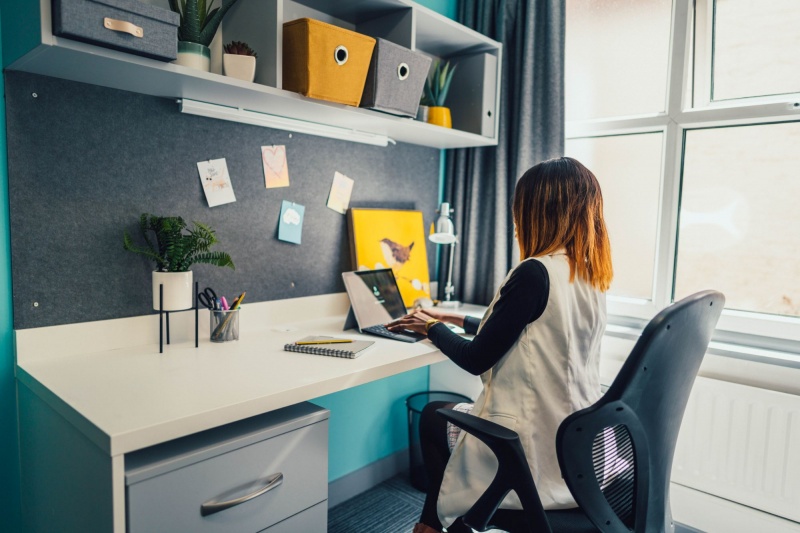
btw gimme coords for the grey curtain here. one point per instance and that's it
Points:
(479, 182)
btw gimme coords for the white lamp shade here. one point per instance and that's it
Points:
(445, 230)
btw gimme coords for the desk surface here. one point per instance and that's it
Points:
(129, 398)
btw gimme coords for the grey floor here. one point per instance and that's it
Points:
(391, 507)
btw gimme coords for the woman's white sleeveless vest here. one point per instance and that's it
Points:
(551, 371)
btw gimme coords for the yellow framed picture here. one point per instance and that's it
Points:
(392, 238)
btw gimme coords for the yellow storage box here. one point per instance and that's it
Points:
(325, 61)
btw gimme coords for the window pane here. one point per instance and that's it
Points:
(756, 47)
(628, 168)
(616, 57)
(739, 220)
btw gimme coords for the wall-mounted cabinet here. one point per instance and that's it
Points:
(260, 23)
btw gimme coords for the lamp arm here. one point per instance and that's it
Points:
(449, 289)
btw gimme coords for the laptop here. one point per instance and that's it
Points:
(375, 300)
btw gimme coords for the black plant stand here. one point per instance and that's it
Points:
(161, 314)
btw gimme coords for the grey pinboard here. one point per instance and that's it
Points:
(86, 161)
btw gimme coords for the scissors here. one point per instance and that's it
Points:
(208, 298)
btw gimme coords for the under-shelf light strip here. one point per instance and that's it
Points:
(243, 116)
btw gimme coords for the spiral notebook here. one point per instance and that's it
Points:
(349, 350)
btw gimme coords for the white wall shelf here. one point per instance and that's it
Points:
(63, 58)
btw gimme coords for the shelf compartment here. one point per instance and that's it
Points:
(394, 20)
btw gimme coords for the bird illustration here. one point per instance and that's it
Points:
(395, 254)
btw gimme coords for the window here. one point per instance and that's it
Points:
(622, 69)
(689, 115)
(630, 201)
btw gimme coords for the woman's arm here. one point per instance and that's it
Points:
(522, 300)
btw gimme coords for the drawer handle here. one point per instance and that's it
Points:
(212, 507)
(124, 27)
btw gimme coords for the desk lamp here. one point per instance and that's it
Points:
(445, 234)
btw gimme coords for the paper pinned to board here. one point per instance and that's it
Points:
(216, 182)
(276, 168)
(341, 190)
(290, 227)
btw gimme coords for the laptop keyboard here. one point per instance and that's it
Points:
(407, 336)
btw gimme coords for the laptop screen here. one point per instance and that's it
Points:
(374, 296)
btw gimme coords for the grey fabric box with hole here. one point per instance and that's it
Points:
(127, 25)
(395, 79)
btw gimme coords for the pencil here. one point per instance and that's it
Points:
(329, 341)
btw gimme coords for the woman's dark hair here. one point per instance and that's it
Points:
(558, 204)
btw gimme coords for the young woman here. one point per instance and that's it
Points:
(537, 349)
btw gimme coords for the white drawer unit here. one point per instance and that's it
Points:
(268, 472)
(312, 520)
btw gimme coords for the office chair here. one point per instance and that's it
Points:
(616, 455)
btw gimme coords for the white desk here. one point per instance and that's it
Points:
(100, 390)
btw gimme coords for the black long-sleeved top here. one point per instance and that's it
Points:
(522, 300)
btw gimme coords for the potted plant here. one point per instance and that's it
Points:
(174, 252)
(239, 61)
(199, 24)
(436, 89)
(424, 106)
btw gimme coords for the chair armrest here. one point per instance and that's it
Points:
(481, 428)
(513, 473)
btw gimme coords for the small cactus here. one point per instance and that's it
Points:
(239, 48)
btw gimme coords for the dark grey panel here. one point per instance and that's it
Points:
(85, 161)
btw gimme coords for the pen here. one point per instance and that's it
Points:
(328, 341)
(225, 305)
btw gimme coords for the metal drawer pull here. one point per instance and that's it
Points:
(124, 27)
(212, 507)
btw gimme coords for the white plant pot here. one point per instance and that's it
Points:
(239, 67)
(193, 55)
(178, 293)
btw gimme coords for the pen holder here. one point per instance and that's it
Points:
(224, 325)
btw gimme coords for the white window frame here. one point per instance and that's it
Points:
(688, 106)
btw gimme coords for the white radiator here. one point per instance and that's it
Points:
(743, 444)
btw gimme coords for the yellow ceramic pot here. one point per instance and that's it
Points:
(440, 116)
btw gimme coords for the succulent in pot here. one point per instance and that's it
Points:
(435, 95)
(176, 248)
(200, 21)
(239, 61)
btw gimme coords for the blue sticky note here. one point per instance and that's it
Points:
(290, 228)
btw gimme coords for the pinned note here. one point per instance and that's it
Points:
(216, 182)
(341, 189)
(290, 227)
(276, 169)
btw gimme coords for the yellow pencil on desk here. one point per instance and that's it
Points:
(326, 341)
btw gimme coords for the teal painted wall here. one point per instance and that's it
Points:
(369, 422)
(21, 27)
(445, 7)
(9, 453)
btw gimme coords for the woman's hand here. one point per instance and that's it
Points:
(414, 321)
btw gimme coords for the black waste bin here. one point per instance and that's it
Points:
(415, 403)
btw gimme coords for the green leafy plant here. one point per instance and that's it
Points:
(174, 250)
(239, 48)
(199, 22)
(438, 84)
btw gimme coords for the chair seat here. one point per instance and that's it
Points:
(567, 521)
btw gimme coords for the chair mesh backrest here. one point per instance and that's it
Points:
(632, 430)
(615, 470)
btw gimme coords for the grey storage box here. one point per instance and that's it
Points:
(473, 94)
(395, 79)
(127, 25)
